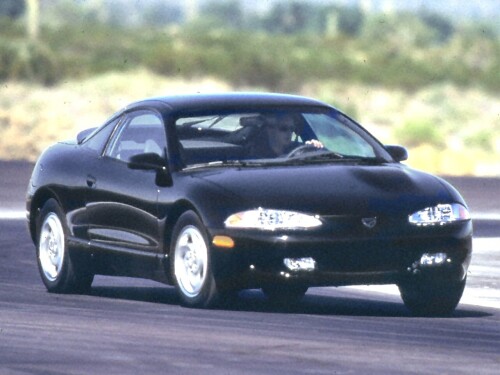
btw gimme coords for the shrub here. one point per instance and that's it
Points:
(418, 132)
(480, 139)
(27, 61)
(398, 52)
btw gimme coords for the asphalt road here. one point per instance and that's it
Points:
(127, 326)
(130, 326)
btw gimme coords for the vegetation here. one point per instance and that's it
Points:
(418, 79)
(290, 45)
(417, 132)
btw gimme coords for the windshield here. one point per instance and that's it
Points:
(279, 136)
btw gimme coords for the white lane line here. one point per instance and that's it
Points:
(12, 214)
(483, 297)
(484, 276)
(485, 216)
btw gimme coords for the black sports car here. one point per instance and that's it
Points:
(218, 193)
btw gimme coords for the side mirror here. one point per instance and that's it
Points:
(398, 153)
(151, 161)
(147, 161)
(84, 134)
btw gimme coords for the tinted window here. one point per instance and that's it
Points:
(97, 141)
(140, 133)
(266, 135)
(337, 137)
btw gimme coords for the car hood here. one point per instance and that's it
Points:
(332, 189)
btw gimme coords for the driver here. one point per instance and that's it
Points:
(278, 130)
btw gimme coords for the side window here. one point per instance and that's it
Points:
(141, 132)
(98, 140)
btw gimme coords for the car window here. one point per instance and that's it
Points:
(337, 137)
(267, 135)
(226, 122)
(97, 140)
(140, 133)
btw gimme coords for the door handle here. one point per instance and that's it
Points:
(91, 181)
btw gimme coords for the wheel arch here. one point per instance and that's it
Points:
(174, 214)
(37, 202)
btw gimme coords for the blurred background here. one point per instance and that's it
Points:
(424, 74)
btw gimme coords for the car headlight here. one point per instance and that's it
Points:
(439, 215)
(269, 219)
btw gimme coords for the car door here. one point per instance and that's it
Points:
(122, 202)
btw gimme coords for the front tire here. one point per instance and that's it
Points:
(191, 263)
(432, 298)
(57, 270)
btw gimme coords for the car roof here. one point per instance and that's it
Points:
(188, 102)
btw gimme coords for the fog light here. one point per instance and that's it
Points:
(300, 264)
(433, 259)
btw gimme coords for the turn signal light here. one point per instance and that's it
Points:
(223, 241)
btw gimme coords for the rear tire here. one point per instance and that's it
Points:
(57, 270)
(191, 264)
(432, 298)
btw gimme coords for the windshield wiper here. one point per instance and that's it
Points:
(221, 163)
(316, 155)
(365, 159)
(329, 156)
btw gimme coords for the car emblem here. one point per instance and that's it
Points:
(369, 222)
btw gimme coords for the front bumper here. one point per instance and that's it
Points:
(363, 257)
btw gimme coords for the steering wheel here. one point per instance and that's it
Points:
(302, 149)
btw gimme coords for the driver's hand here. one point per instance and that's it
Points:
(315, 143)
